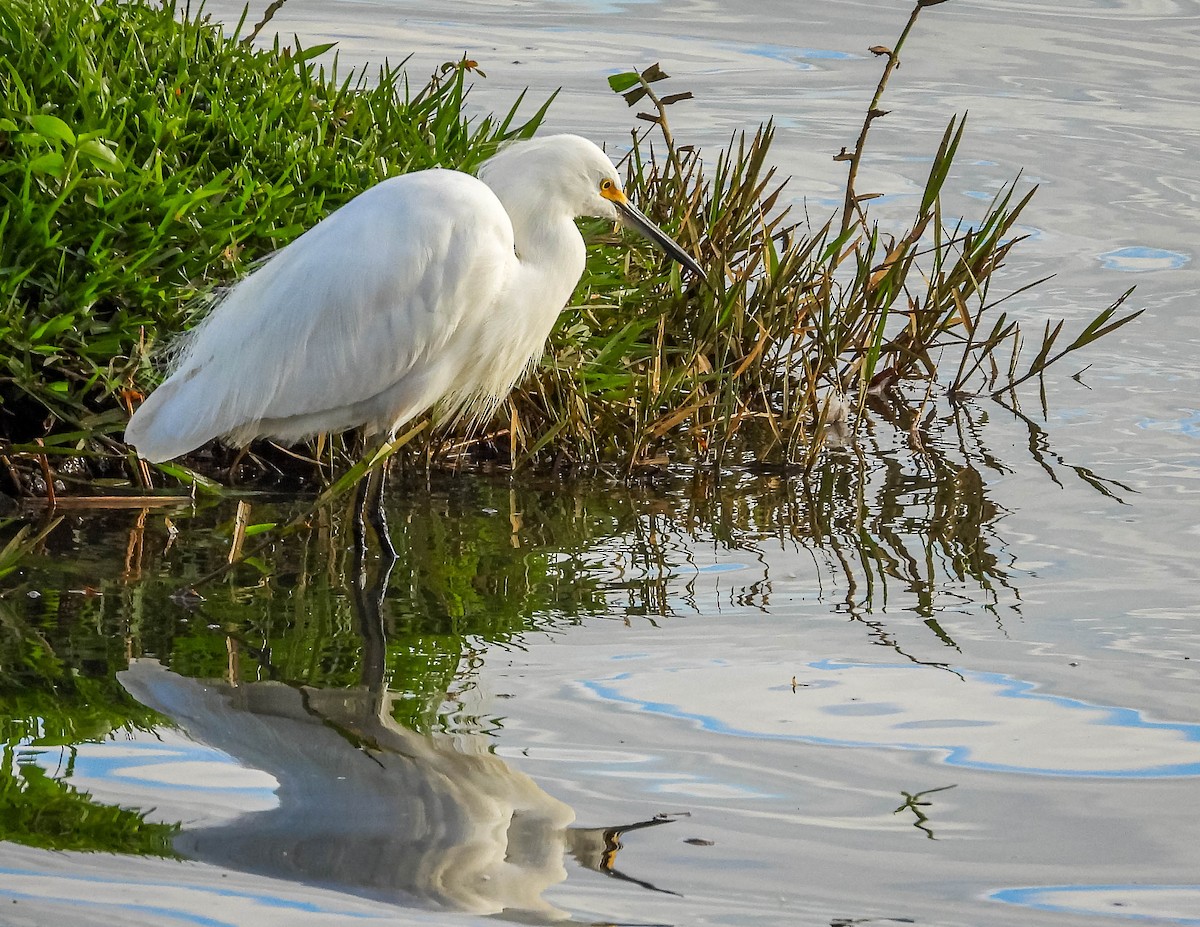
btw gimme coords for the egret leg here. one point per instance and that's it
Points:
(359, 531)
(377, 516)
(367, 591)
(369, 510)
(367, 595)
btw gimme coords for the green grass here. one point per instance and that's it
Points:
(148, 159)
(144, 160)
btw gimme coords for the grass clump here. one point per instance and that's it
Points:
(149, 158)
(805, 324)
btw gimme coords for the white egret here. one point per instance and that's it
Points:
(430, 288)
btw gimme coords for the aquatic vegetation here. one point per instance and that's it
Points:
(805, 325)
(150, 157)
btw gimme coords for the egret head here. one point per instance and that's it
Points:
(572, 173)
(632, 217)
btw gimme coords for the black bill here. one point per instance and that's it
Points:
(636, 219)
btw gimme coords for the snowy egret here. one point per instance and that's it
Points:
(430, 288)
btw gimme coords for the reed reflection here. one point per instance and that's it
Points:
(335, 665)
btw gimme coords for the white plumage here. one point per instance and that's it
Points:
(431, 288)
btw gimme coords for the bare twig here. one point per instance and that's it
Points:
(268, 15)
(874, 112)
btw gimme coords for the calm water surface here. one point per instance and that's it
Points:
(729, 701)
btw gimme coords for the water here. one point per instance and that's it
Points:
(792, 673)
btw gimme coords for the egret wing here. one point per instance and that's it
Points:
(330, 331)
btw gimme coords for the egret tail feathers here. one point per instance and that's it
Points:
(169, 423)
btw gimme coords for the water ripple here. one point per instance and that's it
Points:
(975, 720)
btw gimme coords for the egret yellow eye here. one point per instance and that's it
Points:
(611, 191)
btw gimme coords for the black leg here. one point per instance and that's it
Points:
(367, 592)
(359, 531)
(369, 510)
(377, 517)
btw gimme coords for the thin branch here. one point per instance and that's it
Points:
(874, 112)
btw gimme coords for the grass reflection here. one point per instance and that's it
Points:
(900, 524)
(54, 696)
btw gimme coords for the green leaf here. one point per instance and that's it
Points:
(623, 81)
(101, 155)
(52, 127)
(942, 162)
(51, 327)
(49, 163)
(190, 477)
(307, 54)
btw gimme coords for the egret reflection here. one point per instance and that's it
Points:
(365, 804)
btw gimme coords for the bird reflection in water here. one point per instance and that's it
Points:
(368, 806)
